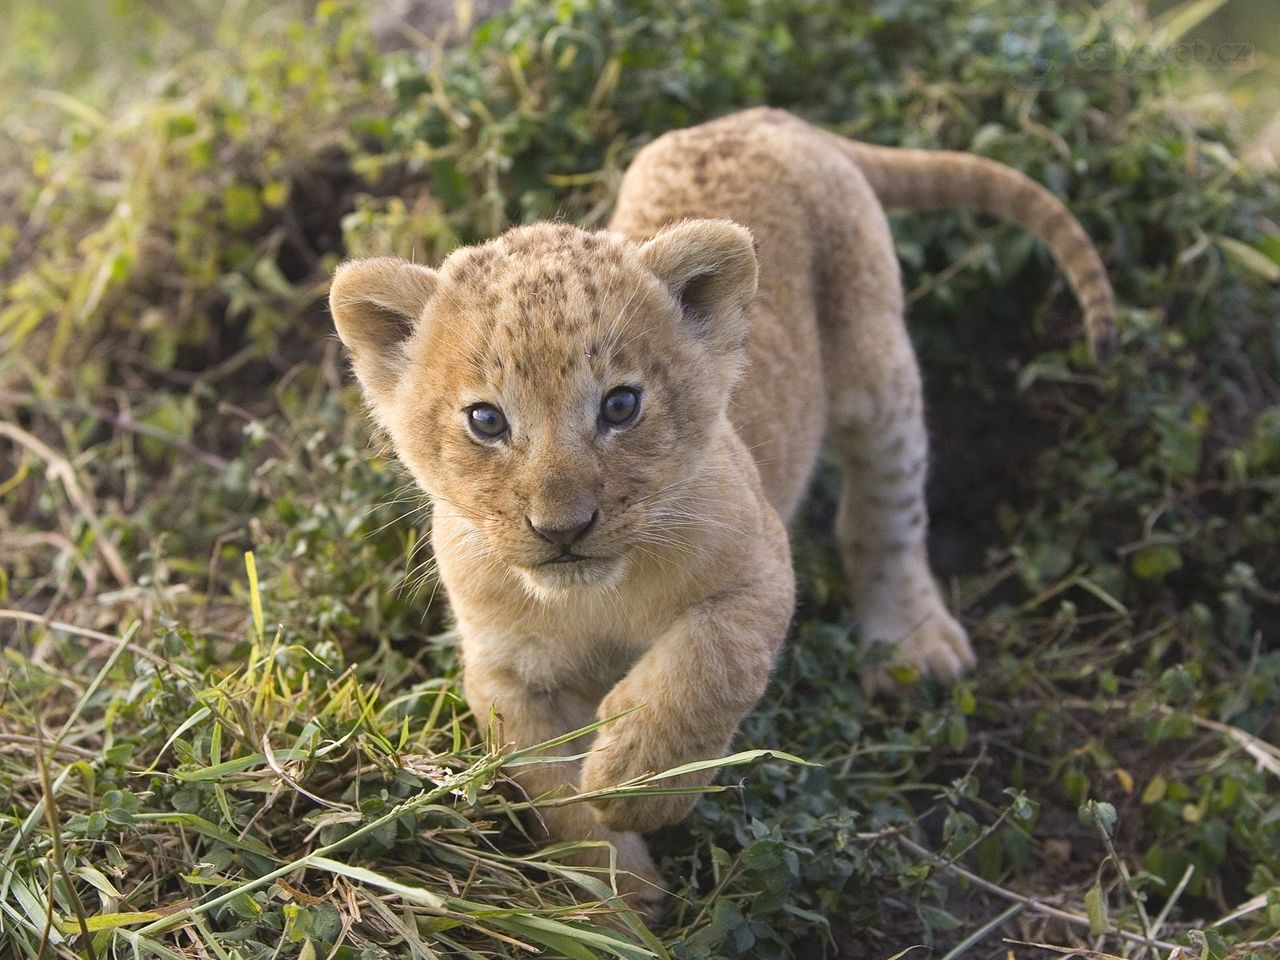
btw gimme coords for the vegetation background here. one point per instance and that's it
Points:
(204, 754)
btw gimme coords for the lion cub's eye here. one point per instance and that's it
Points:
(619, 407)
(486, 421)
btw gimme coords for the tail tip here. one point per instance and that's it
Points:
(1102, 342)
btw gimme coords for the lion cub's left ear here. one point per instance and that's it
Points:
(710, 268)
(377, 304)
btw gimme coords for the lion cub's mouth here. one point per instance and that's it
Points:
(569, 571)
(567, 557)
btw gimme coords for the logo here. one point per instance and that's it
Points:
(1036, 52)
(1039, 54)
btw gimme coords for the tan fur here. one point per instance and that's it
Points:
(676, 620)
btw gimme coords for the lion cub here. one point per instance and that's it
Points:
(614, 426)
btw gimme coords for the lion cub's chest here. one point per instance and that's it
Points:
(586, 645)
(591, 665)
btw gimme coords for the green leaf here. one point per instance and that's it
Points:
(1156, 561)
(1154, 791)
(203, 827)
(1250, 259)
(220, 770)
(1099, 814)
(372, 878)
(937, 919)
(241, 206)
(989, 856)
(108, 921)
(1095, 906)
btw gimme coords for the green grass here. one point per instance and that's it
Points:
(200, 758)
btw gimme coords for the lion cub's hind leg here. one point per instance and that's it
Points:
(877, 425)
(881, 527)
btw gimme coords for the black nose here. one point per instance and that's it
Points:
(564, 536)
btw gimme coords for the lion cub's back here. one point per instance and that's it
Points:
(774, 174)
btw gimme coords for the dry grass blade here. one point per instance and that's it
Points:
(1033, 904)
(60, 469)
(1069, 951)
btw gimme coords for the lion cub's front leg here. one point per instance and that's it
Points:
(529, 717)
(684, 698)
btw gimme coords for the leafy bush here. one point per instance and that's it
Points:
(172, 399)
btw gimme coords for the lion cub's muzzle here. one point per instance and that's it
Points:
(563, 536)
(563, 526)
(567, 554)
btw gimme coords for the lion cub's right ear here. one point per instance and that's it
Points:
(377, 304)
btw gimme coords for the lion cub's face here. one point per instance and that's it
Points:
(554, 389)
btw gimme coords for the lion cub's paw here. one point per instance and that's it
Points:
(931, 641)
(638, 882)
(641, 814)
(615, 761)
(642, 896)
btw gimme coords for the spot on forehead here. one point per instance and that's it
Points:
(474, 264)
(549, 278)
(510, 325)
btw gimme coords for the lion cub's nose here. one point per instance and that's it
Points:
(564, 536)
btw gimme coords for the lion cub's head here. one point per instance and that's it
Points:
(555, 388)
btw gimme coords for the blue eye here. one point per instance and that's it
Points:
(619, 407)
(486, 421)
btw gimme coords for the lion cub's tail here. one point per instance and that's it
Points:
(931, 179)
